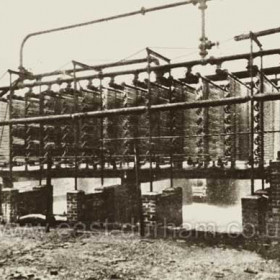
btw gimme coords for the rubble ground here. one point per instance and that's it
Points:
(30, 253)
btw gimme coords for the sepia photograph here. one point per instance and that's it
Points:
(139, 140)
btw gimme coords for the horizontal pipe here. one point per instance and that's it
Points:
(213, 61)
(97, 67)
(257, 34)
(215, 77)
(142, 11)
(144, 60)
(143, 109)
(189, 64)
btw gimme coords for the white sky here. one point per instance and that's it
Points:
(172, 28)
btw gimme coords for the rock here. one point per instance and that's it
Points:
(146, 241)
(114, 277)
(180, 241)
(18, 276)
(249, 270)
(2, 262)
(219, 275)
(54, 272)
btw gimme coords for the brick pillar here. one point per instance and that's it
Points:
(170, 207)
(254, 210)
(75, 206)
(9, 205)
(273, 216)
(163, 209)
(149, 204)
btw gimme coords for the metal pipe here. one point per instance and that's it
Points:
(11, 129)
(143, 109)
(142, 11)
(101, 133)
(98, 67)
(257, 34)
(75, 127)
(41, 133)
(172, 118)
(251, 61)
(166, 67)
(148, 103)
(262, 122)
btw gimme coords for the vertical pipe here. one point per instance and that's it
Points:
(101, 133)
(171, 131)
(75, 128)
(150, 119)
(11, 129)
(138, 187)
(41, 141)
(252, 118)
(262, 122)
(49, 187)
(25, 130)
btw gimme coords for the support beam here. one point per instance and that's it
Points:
(257, 34)
(143, 109)
(161, 68)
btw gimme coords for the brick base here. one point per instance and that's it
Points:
(9, 205)
(163, 209)
(75, 206)
(254, 210)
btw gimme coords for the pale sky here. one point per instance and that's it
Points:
(173, 32)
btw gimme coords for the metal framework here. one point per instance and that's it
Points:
(70, 110)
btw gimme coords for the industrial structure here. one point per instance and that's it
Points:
(222, 126)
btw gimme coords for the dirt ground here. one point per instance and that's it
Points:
(60, 254)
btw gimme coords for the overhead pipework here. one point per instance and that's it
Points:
(205, 44)
(142, 11)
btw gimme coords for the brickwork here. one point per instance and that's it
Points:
(254, 210)
(16, 204)
(261, 212)
(9, 205)
(163, 209)
(170, 206)
(33, 202)
(75, 206)
(113, 204)
(119, 205)
(273, 215)
(94, 207)
(149, 204)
